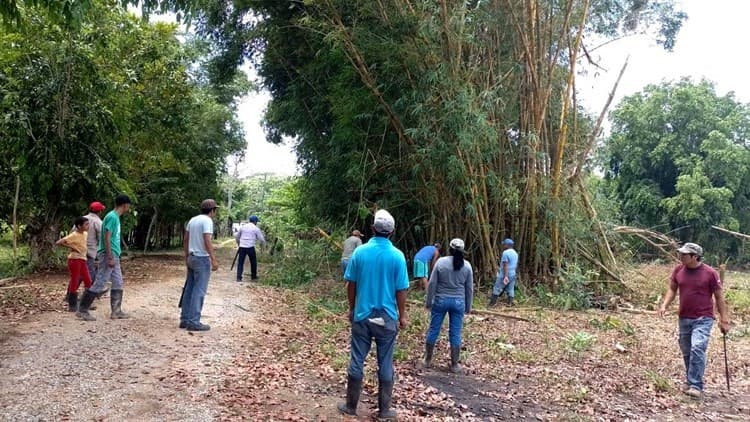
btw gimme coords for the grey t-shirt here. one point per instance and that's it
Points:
(446, 282)
(350, 244)
(196, 228)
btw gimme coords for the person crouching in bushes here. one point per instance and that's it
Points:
(76, 242)
(450, 290)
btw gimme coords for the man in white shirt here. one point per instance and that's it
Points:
(247, 237)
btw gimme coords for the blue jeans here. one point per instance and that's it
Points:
(106, 273)
(499, 287)
(196, 286)
(249, 252)
(694, 336)
(455, 307)
(385, 339)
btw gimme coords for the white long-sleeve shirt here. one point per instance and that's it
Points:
(248, 235)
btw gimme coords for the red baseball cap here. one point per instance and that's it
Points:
(97, 206)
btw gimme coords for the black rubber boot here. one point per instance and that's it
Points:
(455, 355)
(510, 301)
(115, 300)
(385, 393)
(428, 351)
(353, 388)
(72, 299)
(83, 307)
(493, 300)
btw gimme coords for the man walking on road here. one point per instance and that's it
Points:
(200, 260)
(377, 284)
(108, 256)
(350, 244)
(506, 274)
(696, 282)
(247, 237)
(95, 231)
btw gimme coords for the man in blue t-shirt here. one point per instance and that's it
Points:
(423, 262)
(377, 284)
(506, 275)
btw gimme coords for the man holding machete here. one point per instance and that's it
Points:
(697, 283)
(200, 260)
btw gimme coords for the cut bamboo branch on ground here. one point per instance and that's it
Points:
(481, 312)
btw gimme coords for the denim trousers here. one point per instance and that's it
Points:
(106, 273)
(363, 332)
(499, 287)
(247, 252)
(694, 336)
(455, 308)
(196, 286)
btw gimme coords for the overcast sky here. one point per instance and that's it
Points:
(714, 43)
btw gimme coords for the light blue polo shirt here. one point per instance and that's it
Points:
(379, 270)
(511, 257)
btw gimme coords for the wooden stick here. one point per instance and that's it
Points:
(480, 312)
(15, 287)
(735, 234)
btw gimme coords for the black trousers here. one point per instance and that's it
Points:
(249, 252)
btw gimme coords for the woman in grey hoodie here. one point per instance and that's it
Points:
(450, 290)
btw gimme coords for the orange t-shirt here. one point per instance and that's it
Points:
(76, 241)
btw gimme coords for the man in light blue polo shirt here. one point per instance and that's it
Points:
(377, 284)
(506, 274)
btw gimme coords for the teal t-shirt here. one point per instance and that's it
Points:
(111, 223)
(379, 270)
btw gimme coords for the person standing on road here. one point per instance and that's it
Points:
(450, 290)
(696, 283)
(200, 260)
(94, 233)
(108, 256)
(423, 262)
(350, 244)
(506, 274)
(377, 284)
(76, 242)
(247, 237)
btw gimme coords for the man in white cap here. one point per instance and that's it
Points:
(350, 244)
(377, 284)
(696, 282)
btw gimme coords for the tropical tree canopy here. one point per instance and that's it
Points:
(677, 160)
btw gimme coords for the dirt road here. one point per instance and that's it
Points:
(56, 367)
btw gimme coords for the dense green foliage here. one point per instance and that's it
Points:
(109, 105)
(678, 161)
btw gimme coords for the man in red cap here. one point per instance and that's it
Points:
(95, 230)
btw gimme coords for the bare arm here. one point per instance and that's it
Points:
(668, 297)
(351, 295)
(723, 310)
(401, 303)
(210, 250)
(108, 248)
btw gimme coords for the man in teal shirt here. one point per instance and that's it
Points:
(506, 274)
(377, 284)
(108, 256)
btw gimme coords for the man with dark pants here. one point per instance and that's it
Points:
(697, 283)
(108, 256)
(377, 284)
(200, 260)
(247, 237)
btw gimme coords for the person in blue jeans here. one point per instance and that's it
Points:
(377, 281)
(506, 275)
(200, 260)
(450, 290)
(697, 284)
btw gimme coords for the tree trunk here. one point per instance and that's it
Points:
(42, 237)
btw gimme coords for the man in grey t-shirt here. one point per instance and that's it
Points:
(350, 244)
